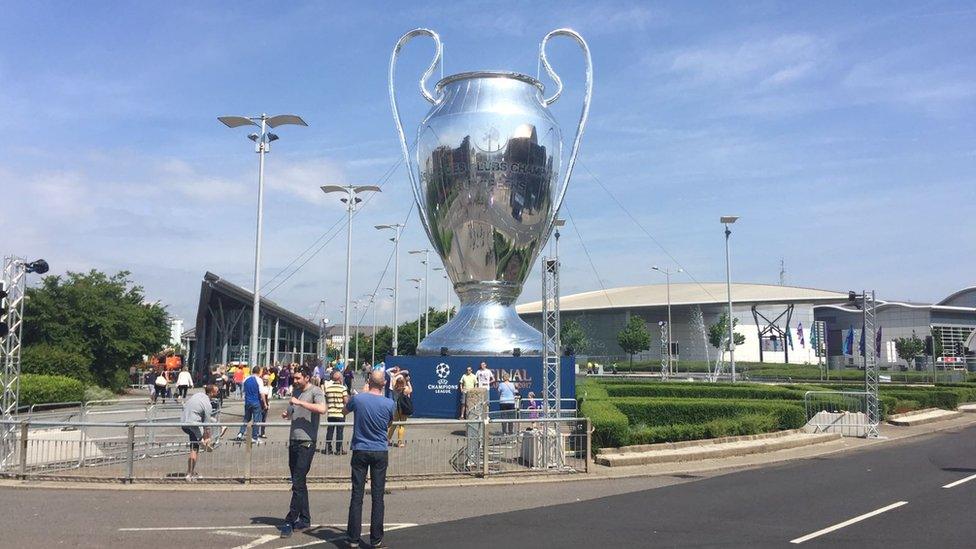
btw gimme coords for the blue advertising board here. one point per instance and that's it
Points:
(436, 379)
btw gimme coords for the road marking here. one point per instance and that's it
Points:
(960, 481)
(342, 536)
(259, 541)
(847, 523)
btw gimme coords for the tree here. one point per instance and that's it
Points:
(99, 316)
(573, 337)
(634, 338)
(406, 335)
(908, 348)
(720, 330)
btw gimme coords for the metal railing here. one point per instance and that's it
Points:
(524, 409)
(844, 412)
(155, 451)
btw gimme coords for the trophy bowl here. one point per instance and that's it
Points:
(488, 177)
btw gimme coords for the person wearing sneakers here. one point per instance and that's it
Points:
(197, 412)
(253, 405)
(305, 410)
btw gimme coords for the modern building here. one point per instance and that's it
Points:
(950, 323)
(335, 338)
(223, 329)
(776, 322)
(175, 330)
(765, 314)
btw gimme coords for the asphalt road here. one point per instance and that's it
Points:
(756, 508)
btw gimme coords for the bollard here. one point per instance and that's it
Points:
(247, 452)
(589, 445)
(130, 458)
(23, 449)
(484, 447)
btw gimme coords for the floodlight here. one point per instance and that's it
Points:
(236, 121)
(40, 267)
(728, 219)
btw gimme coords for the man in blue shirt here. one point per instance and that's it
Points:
(252, 404)
(373, 414)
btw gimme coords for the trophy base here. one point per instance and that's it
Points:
(484, 328)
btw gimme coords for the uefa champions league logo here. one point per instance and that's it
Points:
(443, 370)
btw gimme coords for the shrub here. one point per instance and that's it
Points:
(670, 411)
(749, 424)
(49, 359)
(927, 398)
(610, 427)
(702, 390)
(40, 389)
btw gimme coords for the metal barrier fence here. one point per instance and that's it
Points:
(844, 412)
(531, 409)
(157, 451)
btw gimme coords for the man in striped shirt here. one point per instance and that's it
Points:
(336, 397)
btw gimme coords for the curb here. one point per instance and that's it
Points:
(922, 417)
(787, 441)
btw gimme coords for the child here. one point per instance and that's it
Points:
(533, 407)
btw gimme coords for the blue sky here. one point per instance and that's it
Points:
(843, 133)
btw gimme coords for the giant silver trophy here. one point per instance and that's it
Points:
(489, 177)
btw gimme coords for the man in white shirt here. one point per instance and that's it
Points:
(183, 383)
(485, 377)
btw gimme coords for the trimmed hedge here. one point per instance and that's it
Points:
(610, 427)
(749, 424)
(40, 389)
(701, 390)
(927, 398)
(670, 411)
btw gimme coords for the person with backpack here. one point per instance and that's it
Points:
(402, 391)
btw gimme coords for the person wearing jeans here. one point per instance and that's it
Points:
(373, 415)
(305, 410)
(253, 410)
(506, 403)
(336, 397)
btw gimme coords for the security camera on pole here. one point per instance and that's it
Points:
(262, 145)
(351, 200)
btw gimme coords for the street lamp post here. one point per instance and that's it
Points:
(426, 262)
(397, 228)
(447, 303)
(420, 303)
(667, 274)
(351, 200)
(355, 306)
(728, 220)
(393, 294)
(372, 303)
(262, 145)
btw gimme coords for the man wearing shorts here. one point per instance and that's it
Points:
(197, 411)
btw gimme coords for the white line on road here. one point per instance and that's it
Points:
(259, 541)
(960, 481)
(849, 522)
(387, 528)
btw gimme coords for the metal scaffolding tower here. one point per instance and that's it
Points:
(14, 279)
(551, 348)
(870, 356)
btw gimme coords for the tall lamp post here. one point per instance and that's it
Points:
(351, 200)
(372, 303)
(447, 305)
(426, 262)
(728, 220)
(397, 228)
(667, 274)
(262, 145)
(420, 303)
(393, 296)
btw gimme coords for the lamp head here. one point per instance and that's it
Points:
(39, 266)
(272, 137)
(253, 137)
(728, 219)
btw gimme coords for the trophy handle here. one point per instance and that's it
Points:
(584, 113)
(438, 52)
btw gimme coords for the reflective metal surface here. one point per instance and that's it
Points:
(489, 176)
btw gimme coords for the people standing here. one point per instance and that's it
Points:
(347, 377)
(506, 403)
(485, 377)
(373, 416)
(161, 384)
(284, 380)
(468, 381)
(402, 389)
(183, 383)
(336, 397)
(253, 410)
(305, 409)
(265, 398)
(197, 412)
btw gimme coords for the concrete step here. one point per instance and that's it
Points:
(922, 417)
(703, 449)
(967, 408)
